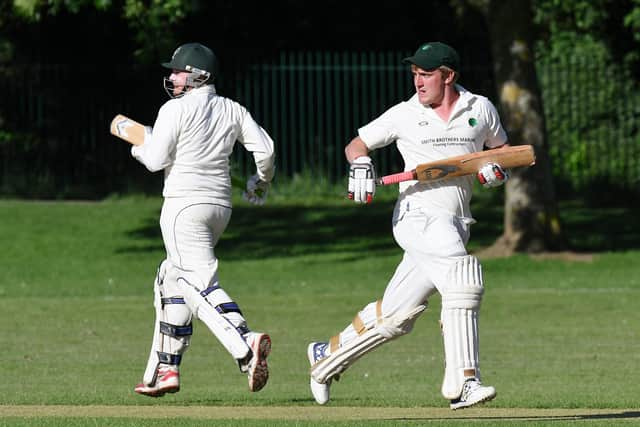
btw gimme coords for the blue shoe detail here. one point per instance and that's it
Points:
(319, 351)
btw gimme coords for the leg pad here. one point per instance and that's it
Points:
(386, 329)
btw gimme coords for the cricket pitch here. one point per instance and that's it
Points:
(311, 413)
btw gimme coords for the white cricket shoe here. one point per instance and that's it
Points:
(257, 369)
(473, 392)
(316, 351)
(167, 381)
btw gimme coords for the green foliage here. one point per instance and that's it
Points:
(154, 23)
(632, 20)
(591, 117)
(572, 15)
(590, 97)
(598, 20)
(39, 9)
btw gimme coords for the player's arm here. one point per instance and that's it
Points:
(362, 175)
(258, 142)
(376, 134)
(159, 143)
(493, 174)
(356, 148)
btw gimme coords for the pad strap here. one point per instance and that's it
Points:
(169, 359)
(172, 300)
(226, 332)
(176, 331)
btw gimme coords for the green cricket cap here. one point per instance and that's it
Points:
(433, 55)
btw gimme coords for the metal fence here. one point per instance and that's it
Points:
(592, 112)
(312, 103)
(54, 140)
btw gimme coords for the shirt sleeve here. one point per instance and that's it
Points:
(380, 132)
(256, 140)
(496, 136)
(158, 150)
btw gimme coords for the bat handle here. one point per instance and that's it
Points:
(396, 178)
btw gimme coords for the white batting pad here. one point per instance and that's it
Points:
(386, 329)
(149, 377)
(222, 328)
(459, 319)
(172, 329)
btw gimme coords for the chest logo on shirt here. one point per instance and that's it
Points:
(472, 122)
(423, 123)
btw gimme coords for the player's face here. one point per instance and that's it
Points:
(179, 79)
(429, 84)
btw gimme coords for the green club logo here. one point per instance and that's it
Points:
(472, 122)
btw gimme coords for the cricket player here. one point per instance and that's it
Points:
(192, 138)
(431, 224)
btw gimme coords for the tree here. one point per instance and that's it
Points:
(531, 216)
(153, 25)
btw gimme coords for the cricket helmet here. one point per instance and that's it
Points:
(196, 59)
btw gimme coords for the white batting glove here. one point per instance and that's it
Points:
(362, 180)
(492, 175)
(136, 150)
(148, 131)
(257, 190)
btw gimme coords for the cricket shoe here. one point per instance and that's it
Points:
(257, 369)
(473, 392)
(167, 381)
(316, 351)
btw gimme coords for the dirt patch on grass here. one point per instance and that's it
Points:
(312, 413)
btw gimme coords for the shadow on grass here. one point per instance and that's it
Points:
(589, 229)
(292, 230)
(552, 418)
(600, 229)
(277, 231)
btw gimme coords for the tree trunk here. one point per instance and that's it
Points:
(531, 220)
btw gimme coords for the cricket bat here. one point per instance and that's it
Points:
(128, 129)
(467, 164)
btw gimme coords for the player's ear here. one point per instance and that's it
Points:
(448, 75)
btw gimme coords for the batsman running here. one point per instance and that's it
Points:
(192, 138)
(431, 223)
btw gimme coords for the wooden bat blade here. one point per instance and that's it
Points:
(467, 164)
(127, 129)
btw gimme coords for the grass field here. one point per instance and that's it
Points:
(559, 339)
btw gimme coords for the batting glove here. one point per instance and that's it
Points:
(362, 180)
(492, 175)
(257, 190)
(148, 131)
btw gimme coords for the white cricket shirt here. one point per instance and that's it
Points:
(192, 139)
(422, 136)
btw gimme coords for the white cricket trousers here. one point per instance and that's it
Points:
(191, 228)
(433, 242)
